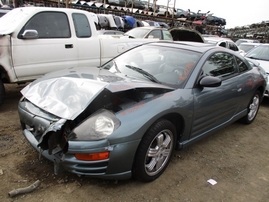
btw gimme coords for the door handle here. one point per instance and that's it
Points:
(68, 45)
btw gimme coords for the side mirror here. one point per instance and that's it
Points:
(30, 34)
(210, 81)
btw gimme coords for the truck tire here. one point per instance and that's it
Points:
(2, 92)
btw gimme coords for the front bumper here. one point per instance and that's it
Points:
(117, 166)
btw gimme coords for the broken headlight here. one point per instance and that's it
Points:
(98, 126)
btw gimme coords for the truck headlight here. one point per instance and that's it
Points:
(98, 126)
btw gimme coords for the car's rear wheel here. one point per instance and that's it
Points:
(2, 92)
(253, 108)
(155, 151)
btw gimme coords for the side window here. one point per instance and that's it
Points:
(220, 65)
(82, 26)
(167, 35)
(49, 25)
(233, 46)
(155, 34)
(223, 44)
(241, 65)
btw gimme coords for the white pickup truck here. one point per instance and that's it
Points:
(38, 40)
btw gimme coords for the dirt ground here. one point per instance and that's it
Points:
(237, 158)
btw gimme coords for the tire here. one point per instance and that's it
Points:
(155, 151)
(253, 108)
(2, 92)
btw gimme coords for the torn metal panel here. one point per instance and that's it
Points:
(54, 137)
(64, 97)
(70, 95)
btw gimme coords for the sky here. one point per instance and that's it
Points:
(236, 12)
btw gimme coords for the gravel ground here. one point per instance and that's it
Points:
(237, 158)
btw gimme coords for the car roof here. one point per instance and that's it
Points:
(249, 44)
(109, 31)
(264, 44)
(247, 40)
(150, 28)
(217, 39)
(188, 45)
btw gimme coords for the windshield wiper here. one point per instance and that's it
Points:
(144, 73)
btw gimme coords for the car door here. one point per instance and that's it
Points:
(55, 48)
(214, 106)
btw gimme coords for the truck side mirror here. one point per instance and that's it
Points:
(30, 34)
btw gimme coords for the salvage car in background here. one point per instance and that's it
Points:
(239, 41)
(260, 54)
(126, 118)
(245, 47)
(175, 34)
(180, 13)
(222, 42)
(110, 32)
(185, 34)
(149, 32)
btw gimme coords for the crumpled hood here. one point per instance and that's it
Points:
(66, 96)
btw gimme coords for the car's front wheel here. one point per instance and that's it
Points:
(155, 151)
(253, 108)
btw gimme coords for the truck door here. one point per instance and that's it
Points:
(89, 51)
(55, 47)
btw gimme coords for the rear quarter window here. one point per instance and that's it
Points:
(82, 26)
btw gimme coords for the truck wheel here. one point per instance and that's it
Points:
(2, 92)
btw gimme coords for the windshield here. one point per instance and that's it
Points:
(246, 47)
(259, 53)
(159, 64)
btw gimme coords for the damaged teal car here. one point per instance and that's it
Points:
(125, 118)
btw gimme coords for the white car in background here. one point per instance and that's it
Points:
(246, 47)
(223, 42)
(150, 32)
(260, 54)
(165, 11)
(239, 41)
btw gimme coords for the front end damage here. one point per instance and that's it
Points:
(65, 140)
